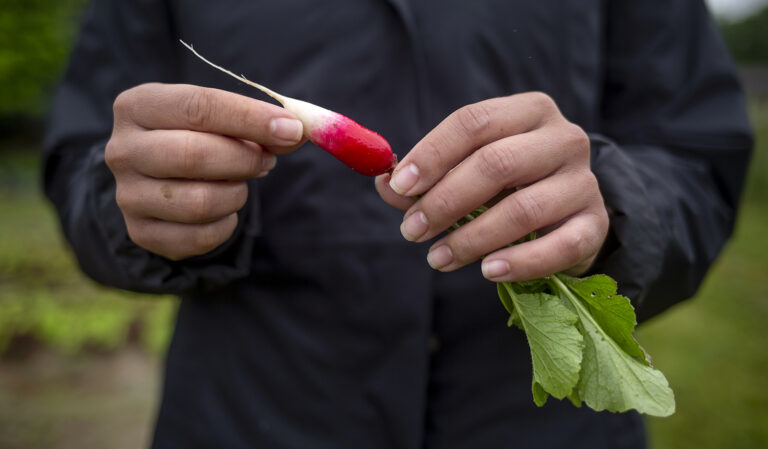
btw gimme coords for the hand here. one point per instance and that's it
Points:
(522, 153)
(181, 156)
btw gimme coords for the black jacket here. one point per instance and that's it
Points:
(317, 325)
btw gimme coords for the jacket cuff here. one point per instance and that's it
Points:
(633, 252)
(148, 272)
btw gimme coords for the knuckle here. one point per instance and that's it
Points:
(525, 211)
(212, 235)
(541, 101)
(124, 197)
(139, 233)
(254, 162)
(575, 138)
(192, 159)
(465, 247)
(586, 181)
(473, 119)
(431, 152)
(206, 239)
(256, 116)
(115, 158)
(575, 246)
(125, 102)
(602, 222)
(429, 158)
(197, 107)
(201, 203)
(588, 184)
(441, 203)
(241, 194)
(497, 162)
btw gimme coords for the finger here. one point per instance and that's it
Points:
(390, 196)
(178, 241)
(196, 155)
(464, 131)
(182, 201)
(503, 164)
(577, 241)
(544, 203)
(181, 106)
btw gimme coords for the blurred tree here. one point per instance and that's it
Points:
(748, 38)
(35, 40)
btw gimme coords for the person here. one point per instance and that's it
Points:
(307, 320)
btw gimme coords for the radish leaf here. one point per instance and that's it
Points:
(555, 342)
(614, 313)
(580, 335)
(611, 378)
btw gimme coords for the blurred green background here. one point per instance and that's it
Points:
(79, 363)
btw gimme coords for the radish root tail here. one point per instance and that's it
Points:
(241, 78)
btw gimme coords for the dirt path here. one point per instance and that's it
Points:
(49, 401)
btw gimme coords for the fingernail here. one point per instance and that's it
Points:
(440, 257)
(286, 129)
(404, 179)
(268, 161)
(495, 268)
(414, 226)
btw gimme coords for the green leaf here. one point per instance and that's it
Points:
(506, 300)
(556, 344)
(574, 397)
(614, 313)
(540, 396)
(611, 379)
(514, 320)
(534, 286)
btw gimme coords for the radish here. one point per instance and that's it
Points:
(358, 147)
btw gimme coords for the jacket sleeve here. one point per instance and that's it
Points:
(672, 149)
(122, 44)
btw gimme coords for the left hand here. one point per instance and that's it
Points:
(519, 149)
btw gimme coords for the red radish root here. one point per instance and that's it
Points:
(358, 147)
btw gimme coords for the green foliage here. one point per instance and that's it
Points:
(34, 44)
(580, 335)
(72, 319)
(43, 294)
(748, 38)
(556, 345)
(611, 379)
(611, 312)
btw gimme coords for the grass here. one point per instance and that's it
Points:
(712, 348)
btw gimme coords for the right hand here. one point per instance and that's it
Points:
(181, 156)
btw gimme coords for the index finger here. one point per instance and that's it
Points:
(188, 107)
(463, 132)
